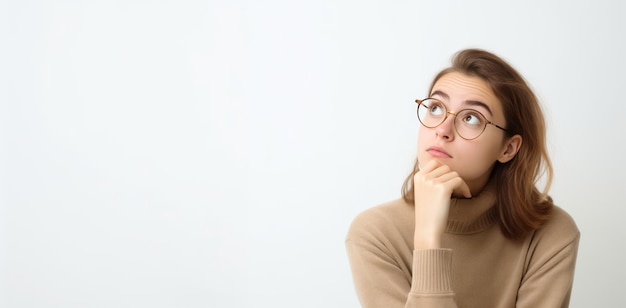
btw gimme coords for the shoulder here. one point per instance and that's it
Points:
(382, 212)
(558, 232)
(560, 225)
(390, 217)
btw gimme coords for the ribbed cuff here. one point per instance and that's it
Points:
(432, 271)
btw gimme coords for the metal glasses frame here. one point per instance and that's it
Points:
(420, 101)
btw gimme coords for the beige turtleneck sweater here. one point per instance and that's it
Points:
(478, 268)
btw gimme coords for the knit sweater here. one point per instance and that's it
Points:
(479, 266)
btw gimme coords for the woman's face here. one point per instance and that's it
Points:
(473, 159)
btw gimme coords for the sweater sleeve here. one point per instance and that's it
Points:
(432, 279)
(381, 278)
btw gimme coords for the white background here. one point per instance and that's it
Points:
(212, 154)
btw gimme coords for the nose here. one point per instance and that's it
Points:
(445, 130)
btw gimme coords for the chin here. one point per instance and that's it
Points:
(428, 158)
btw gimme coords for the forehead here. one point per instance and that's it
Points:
(457, 88)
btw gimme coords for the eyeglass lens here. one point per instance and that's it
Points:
(469, 123)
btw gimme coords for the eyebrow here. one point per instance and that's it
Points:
(471, 103)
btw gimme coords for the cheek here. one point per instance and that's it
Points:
(477, 162)
(422, 142)
(424, 136)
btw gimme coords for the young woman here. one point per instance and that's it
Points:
(471, 229)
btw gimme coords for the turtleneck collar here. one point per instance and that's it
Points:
(473, 215)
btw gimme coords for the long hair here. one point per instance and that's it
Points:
(521, 206)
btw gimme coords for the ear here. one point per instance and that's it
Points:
(510, 148)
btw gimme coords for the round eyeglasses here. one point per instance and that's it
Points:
(468, 123)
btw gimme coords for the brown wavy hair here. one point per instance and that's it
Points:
(521, 206)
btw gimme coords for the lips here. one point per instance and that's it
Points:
(438, 152)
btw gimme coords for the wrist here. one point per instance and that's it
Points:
(432, 242)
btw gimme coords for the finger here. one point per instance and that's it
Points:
(459, 185)
(431, 166)
(465, 190)
(436, 173)
(455, 183)
(439, 173)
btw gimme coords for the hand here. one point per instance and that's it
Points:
(433, 186)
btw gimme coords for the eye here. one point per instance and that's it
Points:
(471, 118)
(435, 108)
